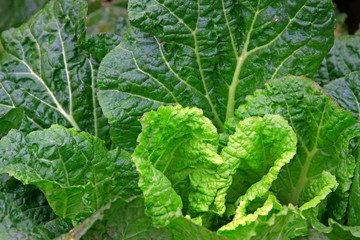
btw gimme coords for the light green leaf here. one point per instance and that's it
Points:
(346, 92)
(343, 58)
(317, 190)
(256, 152)
(25, 213)
(323, 130)
(112, 222)
(263, 217)
(270, 221)
(178, 164)
(208, 55)
(314, 200)
(44, 71)
(75, 171)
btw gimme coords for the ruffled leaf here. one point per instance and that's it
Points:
(179, 165)
(323, 130)
(256, 152)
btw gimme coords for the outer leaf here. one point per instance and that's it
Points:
(75, 171)
(323, 130)
(178, 164)
(46, 74)
(25, 213)
(99, 45)
(15, 12)
(346, 92)
(343, 58)
(208, 54)
(256, 152)
(353, 217)
(11, 120)
(113, 223)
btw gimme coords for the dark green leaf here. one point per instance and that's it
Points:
(343, 58)
(343, 232)
(100, 44)
(208, 55)
(15, 12)
(75, 171)
(353, 216)
(11, 120)
(25, 213)
(46, 74)
(127, 220)
(346, 92)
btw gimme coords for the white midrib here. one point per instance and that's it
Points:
(13, 106)
(239, 63)
(59, 108)
(7, 93)
(66, 67)
(303, 179)
(245, 53)
(93, 88)
(198, 60)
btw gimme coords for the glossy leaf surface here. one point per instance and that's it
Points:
(44, 71)
(11, 120)
(208, 54)
(343, 58)
(25, 213)
(75, 171)
(346, 92)
(14, 13)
